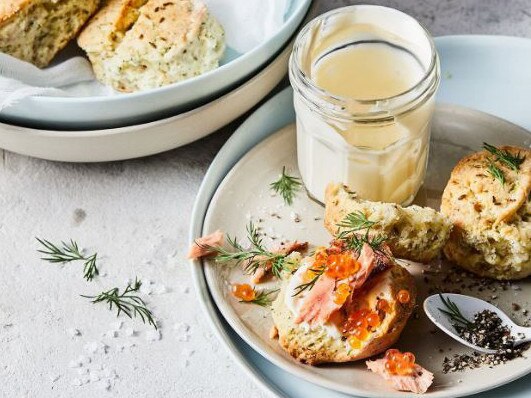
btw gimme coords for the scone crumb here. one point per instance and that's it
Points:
(273, 333)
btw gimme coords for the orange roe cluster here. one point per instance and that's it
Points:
(244, 292)
(403, 296)
(359, 326)
(397, 363)
(341, 266)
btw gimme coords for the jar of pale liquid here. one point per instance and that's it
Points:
(364, 80)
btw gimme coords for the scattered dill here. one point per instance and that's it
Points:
(287, 186)
(67, 252)
(262, 298)
(309, 285)
(496, 173)
(453, 312)
(254, 257)
(355, 222)
(126, 302)
(505, 157)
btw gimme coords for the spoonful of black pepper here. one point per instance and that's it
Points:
(475, 323)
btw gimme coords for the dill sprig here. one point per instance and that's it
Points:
(309, 285)
(505, 157)
(355, 221)
(67, 252)
(496, 173)
(286, 186)
(254, 257)
(126, 302)
(262, 297)
(453, 311)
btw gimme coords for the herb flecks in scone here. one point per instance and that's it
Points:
(491, 234)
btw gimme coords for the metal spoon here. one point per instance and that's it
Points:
(469, 306)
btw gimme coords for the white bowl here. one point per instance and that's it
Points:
(99, 112)
(149, 138)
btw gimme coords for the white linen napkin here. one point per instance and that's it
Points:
(19, 79)
(247, 23)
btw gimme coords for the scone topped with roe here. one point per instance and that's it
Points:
(142, 44)
(488, 200)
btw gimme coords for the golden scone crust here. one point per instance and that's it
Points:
(414, 233)
(317, 345)
(492, 221)
(142, 44)
(36, 30)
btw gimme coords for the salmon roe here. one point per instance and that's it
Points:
(243, 292)
(341, 293)
(341, 266)
(354, 342)
(361, 322)
(399, 363)
(383, 305)
(403, 296)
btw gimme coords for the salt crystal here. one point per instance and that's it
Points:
(54, 378)
(82, 371)
(182, 331)
(111, 334)
(104, 384)
(130, 332)
(96, 347)
(160, 289)
(248, 216)
(72, 332)
(94, 376)
(295, 217)
(186, 290)
(117, 325)
(84, 360)
(77, 382)
(75, 364)
(153, 335)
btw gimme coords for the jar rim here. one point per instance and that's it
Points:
(294, 60)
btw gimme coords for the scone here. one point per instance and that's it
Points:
(138, 44)
(414, 233)
(492, 220)
(35, 30)
(317, 330)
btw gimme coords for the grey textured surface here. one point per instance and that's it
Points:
(136, 214)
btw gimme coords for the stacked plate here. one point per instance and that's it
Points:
(123, 126)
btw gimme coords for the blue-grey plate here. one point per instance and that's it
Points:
(479, 72)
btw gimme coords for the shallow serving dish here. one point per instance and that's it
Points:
(100, 112)
(149, 138)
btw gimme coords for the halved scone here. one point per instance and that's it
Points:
(313, 339)
(413, 233)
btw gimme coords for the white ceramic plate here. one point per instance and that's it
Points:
(145, 139)
(84, 113)
(244, 190)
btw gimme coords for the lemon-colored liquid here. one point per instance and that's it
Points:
(380, 161)
(367, 71)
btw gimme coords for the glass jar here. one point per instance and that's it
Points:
(377, 146)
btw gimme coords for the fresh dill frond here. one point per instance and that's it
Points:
(262, 298)
(254, 257)
(355, 221)
(309, 285)
(126, 302)
(505, 157)
(496, 173)
(453, 312)
(287, 186)
(67, 252)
